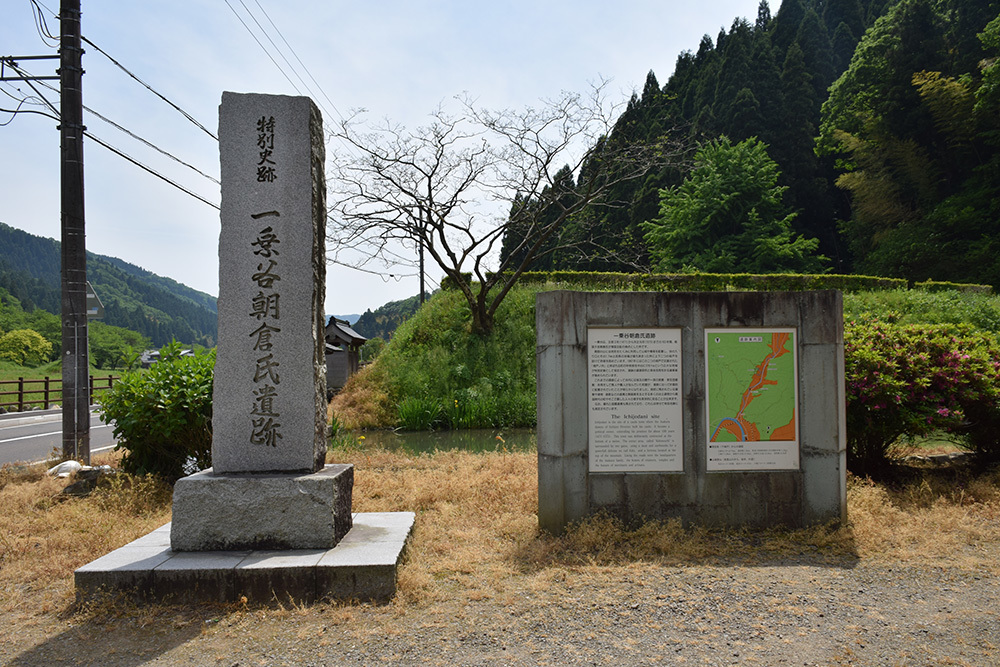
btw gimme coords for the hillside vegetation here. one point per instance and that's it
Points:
(880, 120)
(917, 362)
(157, 308)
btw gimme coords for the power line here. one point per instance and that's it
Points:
(386, 277)
(144, 141)
(152, 171)
(41, 26)
(14, 112)
(299, 60)
(277, 50)
(153, 146)
(117, 151)
(266, 52)
(336, 112)
(151, 89)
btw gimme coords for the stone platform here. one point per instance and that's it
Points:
(361, 567)
(256, 511)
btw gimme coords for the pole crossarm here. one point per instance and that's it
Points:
(11, 62)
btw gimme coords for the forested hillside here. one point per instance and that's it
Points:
(882, 118)
(156, 307)
(383, 321)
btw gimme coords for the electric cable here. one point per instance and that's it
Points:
(141, 139)
(41, 26)
(276, 48)
(386, 277)
(151, 89)
(266, 52)
(152, 171)
(336, 112)
(299, 60)
(14, 112)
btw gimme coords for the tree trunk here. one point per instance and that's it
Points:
(482, 320)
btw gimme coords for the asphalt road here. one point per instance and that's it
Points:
(28, 437)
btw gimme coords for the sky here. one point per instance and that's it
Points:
(397, 59)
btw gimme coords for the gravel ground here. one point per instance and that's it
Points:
(775, 613)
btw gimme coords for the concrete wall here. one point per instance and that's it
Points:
(567, 491)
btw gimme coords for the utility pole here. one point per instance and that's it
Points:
(75, 363)
(423, 230)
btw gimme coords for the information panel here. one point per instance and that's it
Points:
(752, 395)
(635, 417)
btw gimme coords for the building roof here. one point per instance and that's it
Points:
(339, 332)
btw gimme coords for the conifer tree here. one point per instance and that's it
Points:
(786, 23)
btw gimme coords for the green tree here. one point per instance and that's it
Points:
(848, 13)
(728, 216)
(786, 24)
(917, 147)
(110, 346)
(24, 347)
(814, 40)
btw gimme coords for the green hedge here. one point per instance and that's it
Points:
(717, 282)
(935, 286)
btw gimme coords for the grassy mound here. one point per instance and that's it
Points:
(435, 373)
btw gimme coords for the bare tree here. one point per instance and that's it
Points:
(455, 187)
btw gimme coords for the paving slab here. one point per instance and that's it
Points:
(362, 566)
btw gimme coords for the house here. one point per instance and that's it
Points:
(150, 357)
(343, 346)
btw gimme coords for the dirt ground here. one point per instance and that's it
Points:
(781, 612)
(913, 579)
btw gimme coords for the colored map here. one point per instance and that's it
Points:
(751, 385)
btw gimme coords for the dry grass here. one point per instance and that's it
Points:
(477, 529)
(476, 535)
(940, 517)
(363, 402)
(45, 536)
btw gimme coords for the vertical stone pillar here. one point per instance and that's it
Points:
(268, 487)
(270, 375)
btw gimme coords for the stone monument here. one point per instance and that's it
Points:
(720, 409)
(268, 486)
(269, 520)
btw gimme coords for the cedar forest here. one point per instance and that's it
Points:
(853, 136)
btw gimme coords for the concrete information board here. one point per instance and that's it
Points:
(714, 408)
(634, 383)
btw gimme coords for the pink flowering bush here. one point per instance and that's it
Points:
(916, 379)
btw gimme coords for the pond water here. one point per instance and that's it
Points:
(473, 440)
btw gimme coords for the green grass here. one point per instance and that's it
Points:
(10, 372)
(922, 307)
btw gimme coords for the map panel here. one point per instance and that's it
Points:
(752, 396)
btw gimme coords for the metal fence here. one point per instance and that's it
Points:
(43, 392)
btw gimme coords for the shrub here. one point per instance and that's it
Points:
(916, 379)
(163, 417)
(439, 375)
(921, 306)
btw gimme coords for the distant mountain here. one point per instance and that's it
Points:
(351, 319)
(155, 306)
(383, 321)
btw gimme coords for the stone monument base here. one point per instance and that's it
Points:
(262, 511)
(362, 566)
